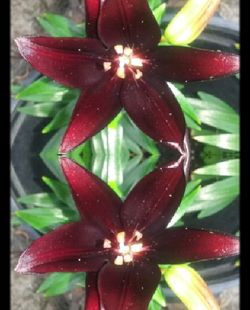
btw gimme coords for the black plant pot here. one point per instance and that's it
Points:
(27, 142)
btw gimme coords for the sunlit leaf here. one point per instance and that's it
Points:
(60, 26)
(39, 200)
(154, 3)
(61, 190)
(45, 219)
(224, 141)
(159, 12)
(191, 192)
(59, 283)
(224, 168)
(43, 89)
(61, 119)
(185, 105)
(43, 109)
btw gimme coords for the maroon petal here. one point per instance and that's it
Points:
(92, 300)
(96, 202)
(128, 22)
(180, 245)
(183, 64)
(154, 200)
(92, 8)
(74, 62)
(128, 287)
(154, 109)
(95, 108)
(70, 248)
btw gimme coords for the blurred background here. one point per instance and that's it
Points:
(23, 22)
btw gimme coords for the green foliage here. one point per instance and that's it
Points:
(60, 26)
(61, 282)
(43, 90)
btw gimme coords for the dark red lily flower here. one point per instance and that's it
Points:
(120, 65)
(120, 244)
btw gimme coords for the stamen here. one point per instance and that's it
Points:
(127, 258)
(118, 260)
(121, 72)
(138, 74)
(107, 66)
(118, 49)
(136, 247)
(120, 237)
(127, 51)
(137, 62)
(138, 235)
(107, 244)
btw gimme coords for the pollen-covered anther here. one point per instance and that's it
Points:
(107, 66)
(107, 244)
(138, 74)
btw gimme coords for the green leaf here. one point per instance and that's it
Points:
(43, 89)
(224, 168)
(39, 200)
(159, 297)
(191, 192)
(49, 154)
(44, 109)
(82, 154)
(60, 26)
(187, 109)
(45, 219)
(216, 206)
(216, 193)
(154, 4)
(61, 190)
(225, 121)
(61, 119)
(153, 305)
(137, 136)
(224, 141)
(59, 283)
(131, 178)
(15, 88)
(159, 12)
(214, 103)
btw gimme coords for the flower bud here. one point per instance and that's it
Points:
(188, 285)
(190, 21)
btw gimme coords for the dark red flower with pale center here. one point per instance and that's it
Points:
(120, 244)
(121, 65)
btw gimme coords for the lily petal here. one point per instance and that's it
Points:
(73, 62)
(184, 64)
(92, 8)
(154, 109)
(181, 245)
(153, 201)
(128, 22)
(96, 202)
(92, 300)
(72, 247)
(128, 287)
(95, 108)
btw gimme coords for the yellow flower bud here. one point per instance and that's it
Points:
(188, 285)
(190, 21)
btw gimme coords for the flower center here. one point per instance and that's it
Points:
(125, 251)
(126, 60)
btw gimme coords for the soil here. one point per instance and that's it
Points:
(23, 288)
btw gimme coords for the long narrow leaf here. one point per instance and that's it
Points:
(43, 89)
(224, 168)
(60, 26)
(224, 141)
